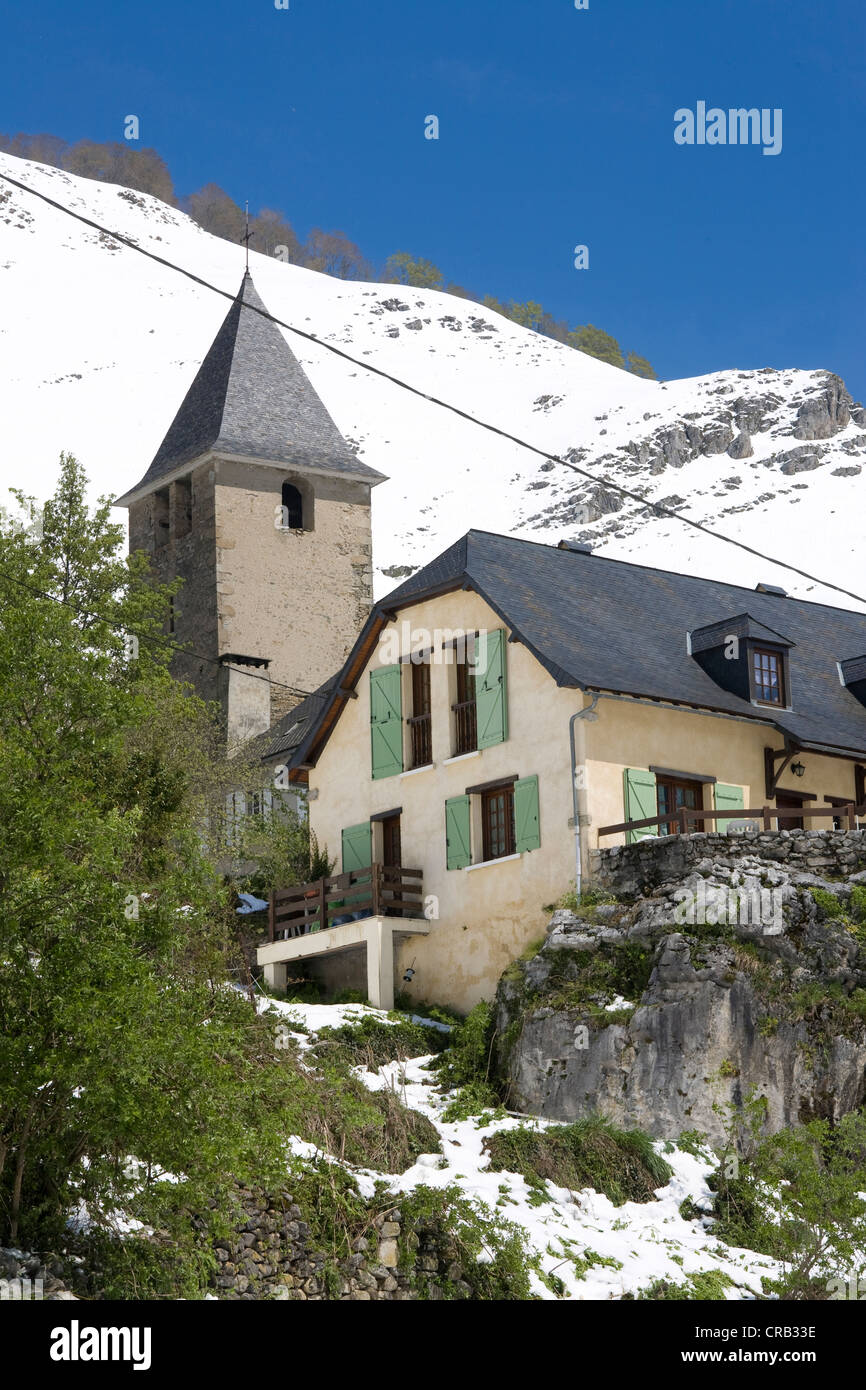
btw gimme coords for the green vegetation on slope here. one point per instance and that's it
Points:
(622, 1164)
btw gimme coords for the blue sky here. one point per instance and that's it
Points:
(556, 128)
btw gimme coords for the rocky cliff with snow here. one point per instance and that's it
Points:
(715, 969)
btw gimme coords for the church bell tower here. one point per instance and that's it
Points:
(257, 502)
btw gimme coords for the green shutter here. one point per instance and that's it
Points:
(640, 801)
(490, 693)
(386, 721)
(357, 847)
(457, 851)
(726, 799)
(527, 834)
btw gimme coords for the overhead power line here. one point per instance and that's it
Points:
(655, 508)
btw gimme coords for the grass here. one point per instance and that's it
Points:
(476, 1100)
(588, 980)
(621, 1164)
(326, 1105)
(371, 1129)
(371, 1042)
(706, 1286)
(489, 1251)
(583, 904)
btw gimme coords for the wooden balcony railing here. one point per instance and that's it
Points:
(685, 815)
(379, 890)
(466, 726)
(422, 742)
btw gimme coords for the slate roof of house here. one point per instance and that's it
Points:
(287, 735)
(252, 397)
(604, 624)
(742, 625)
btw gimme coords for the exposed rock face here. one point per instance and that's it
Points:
(801, 460)
(732, 976)
(824, 415)
(741, 447)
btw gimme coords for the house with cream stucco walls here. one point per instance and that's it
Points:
(513, 707)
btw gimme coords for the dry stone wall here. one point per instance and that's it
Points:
(629, 870)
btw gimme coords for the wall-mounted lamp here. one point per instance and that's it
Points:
(798, 769)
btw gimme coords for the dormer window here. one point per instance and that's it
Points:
(852, 674)
(768, 680)
(745, 658)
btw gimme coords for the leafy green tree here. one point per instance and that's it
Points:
(528, 315)
(490, 303)
(283, 851)
(797, 1195)
(403, 269)
(596, 343)
(120, 1035)
(639, 366)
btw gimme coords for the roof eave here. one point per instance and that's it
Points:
(144, 488)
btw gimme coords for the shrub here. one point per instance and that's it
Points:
(372, 1041)
(797, 1196)
(621, 1164)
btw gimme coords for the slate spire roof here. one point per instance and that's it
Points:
(251, 397)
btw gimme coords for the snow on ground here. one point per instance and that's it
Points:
(642, 1240)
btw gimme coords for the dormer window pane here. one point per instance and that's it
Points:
(767, 673)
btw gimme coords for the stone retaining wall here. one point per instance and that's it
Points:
(269, 1257)
(630, 870)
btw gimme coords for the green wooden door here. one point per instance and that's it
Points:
(386, 721)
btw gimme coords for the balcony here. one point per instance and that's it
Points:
(422, 742)
(361, 908)
(466, 727)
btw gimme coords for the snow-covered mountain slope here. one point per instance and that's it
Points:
(98, 345)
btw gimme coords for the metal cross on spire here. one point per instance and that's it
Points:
(248, 235)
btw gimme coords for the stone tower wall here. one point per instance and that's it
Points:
(192, 557)
(296, 597)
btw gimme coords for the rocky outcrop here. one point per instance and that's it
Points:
(801, 460)
(736, 975)
(741, 447)
(826, 414)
